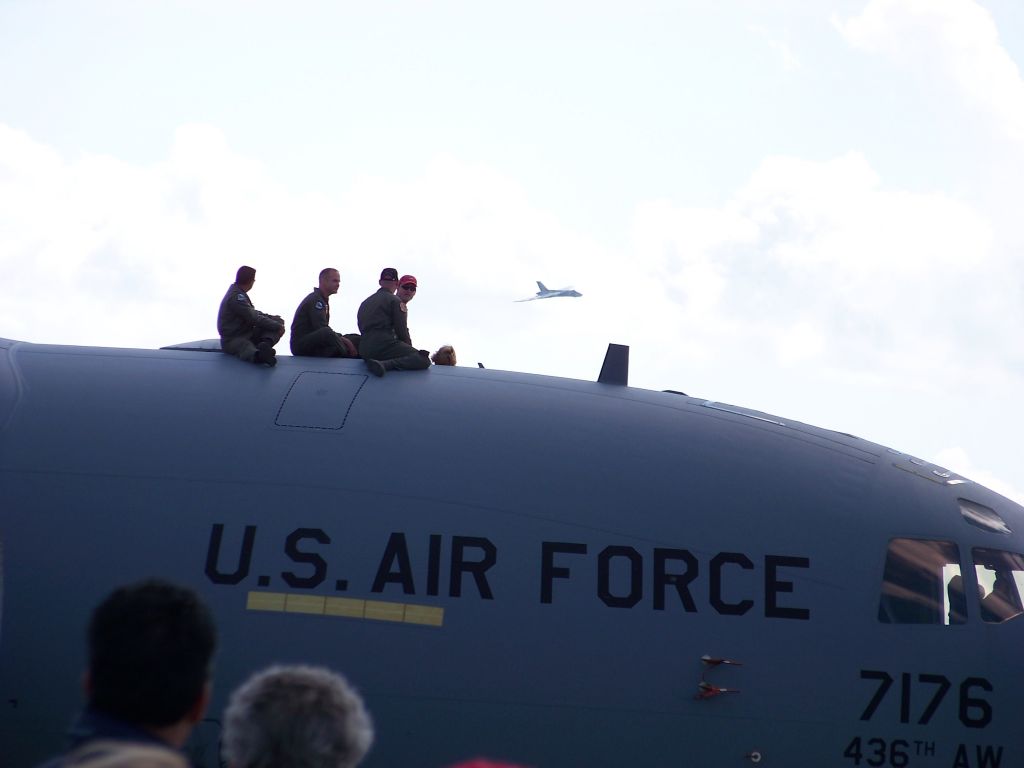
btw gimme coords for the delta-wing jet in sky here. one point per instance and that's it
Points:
(549, 293)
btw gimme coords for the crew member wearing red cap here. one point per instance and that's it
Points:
(312, 334)
(406, 289)
(385, 344)
(406, 293)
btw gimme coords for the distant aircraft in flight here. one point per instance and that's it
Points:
(550, 571)
(548, 293)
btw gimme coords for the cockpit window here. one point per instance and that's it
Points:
(922, 583)
(1001, 579)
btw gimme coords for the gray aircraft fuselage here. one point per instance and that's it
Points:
(523, 567)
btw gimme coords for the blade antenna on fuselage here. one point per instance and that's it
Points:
(615, 369)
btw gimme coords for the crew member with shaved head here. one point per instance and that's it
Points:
(312, 334)
(385, 344)
(245, 332)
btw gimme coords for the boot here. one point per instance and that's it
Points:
(377, 368)
(265, 354)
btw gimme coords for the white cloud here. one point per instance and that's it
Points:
(800, 341)
(953, 39)
(677, 246)
(788, 58)
(837, 215)
(822, 262)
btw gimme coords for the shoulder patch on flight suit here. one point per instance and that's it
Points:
(241, 297)
(319, 305)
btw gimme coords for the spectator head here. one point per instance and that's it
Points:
(150, 649)
(296, 717)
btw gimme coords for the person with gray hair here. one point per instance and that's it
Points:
(296, 717)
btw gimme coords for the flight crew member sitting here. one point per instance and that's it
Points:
(148, 680)
(407, 286)
(296, 717)
(383, 322)
(245, 332)
(312, 334)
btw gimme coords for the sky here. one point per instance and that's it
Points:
(805, 207)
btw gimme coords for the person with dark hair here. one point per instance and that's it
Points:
(296, 717)
(147, 684)
(385, 344)
(245, 332)
(312, 334)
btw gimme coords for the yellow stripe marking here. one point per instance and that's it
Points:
(265, 601)
(424, 614)
(345, 607)
(304, 604)
(378, 609)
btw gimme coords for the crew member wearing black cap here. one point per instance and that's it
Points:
(245, 332)
(312, 334)
(383, 322)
